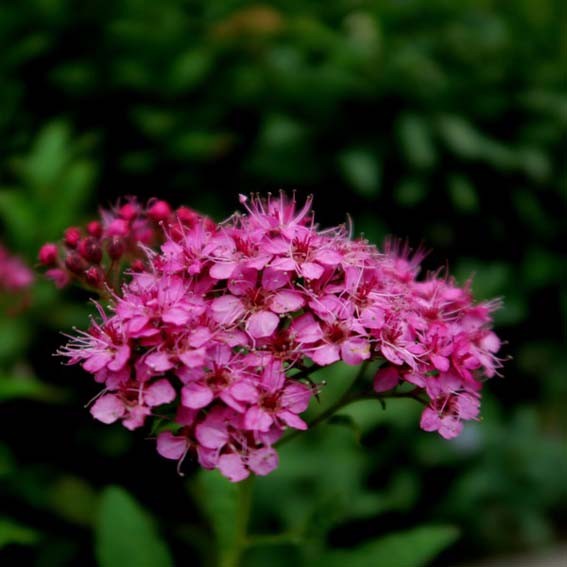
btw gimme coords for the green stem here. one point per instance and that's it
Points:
(233, 556)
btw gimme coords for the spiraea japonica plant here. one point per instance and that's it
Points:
(217, 330)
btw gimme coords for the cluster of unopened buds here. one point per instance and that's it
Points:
(217, 329)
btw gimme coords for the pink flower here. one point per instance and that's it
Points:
(213, 322)
(279, 402)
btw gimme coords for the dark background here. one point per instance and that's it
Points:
(441, 122)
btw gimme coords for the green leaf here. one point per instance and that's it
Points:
(463, 194)
(461, 136)
(415, 140)
(412, 548)
(73, 499)
(12, 532)
(362, 170)
(48, 157)
(189, 69)
(126, 535)
(27, 387)
(410, 192)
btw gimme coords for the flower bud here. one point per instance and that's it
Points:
(94, 228)
(72, 236)
(159, 211)
(89, 248)
(48, 254)
(115, 248)
(137, 266)
(187, 216)
(128, 211)
(95, 276)
(75, 264)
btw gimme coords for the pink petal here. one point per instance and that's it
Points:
(193, 358)
(212, 434)
(171, 446)
(159, 362)
(282, 264)
(386, 379)
(256, 419)
(311, 271)
(440, 362)
(263, 461)
(97, 361)
(372, 318)
(121, 357)
(176, 315)
(274, 279)
(296, 397)
(199, 337)
(196, 396)
(325, 355)
(135, 417)
(262, 324)
(108, 408)
(430, 420)
(286, 301)
(160, 392)
(391, 354)
(222, 270)
(231, 467)
(354, 351)
(244, 392)
(328, 257)
(227, 309)
(292, 420)
(490, 342)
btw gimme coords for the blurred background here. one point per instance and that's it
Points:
(441, 122)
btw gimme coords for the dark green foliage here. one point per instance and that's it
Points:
(443, 122)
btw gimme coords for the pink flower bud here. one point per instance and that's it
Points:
(89, 248)
(95, 276)
(137, 266)
(75, 263)
(94, 228)
(115, 248)
(159, 211)
(187, 216)
(128, 211)
(48, 254)
(72, 236)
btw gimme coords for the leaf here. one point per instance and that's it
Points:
(412, 548)
(410, 192)
(415, 140)
(126, 535)
(73, 499)
(12, 532)
(48, 157)
(362, 170)
(27, 387)
(463, 194)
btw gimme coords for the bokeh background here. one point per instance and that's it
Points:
(441, 122)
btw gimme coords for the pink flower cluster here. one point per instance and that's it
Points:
(217, 334)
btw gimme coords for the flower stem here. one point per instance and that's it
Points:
(233, 555)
